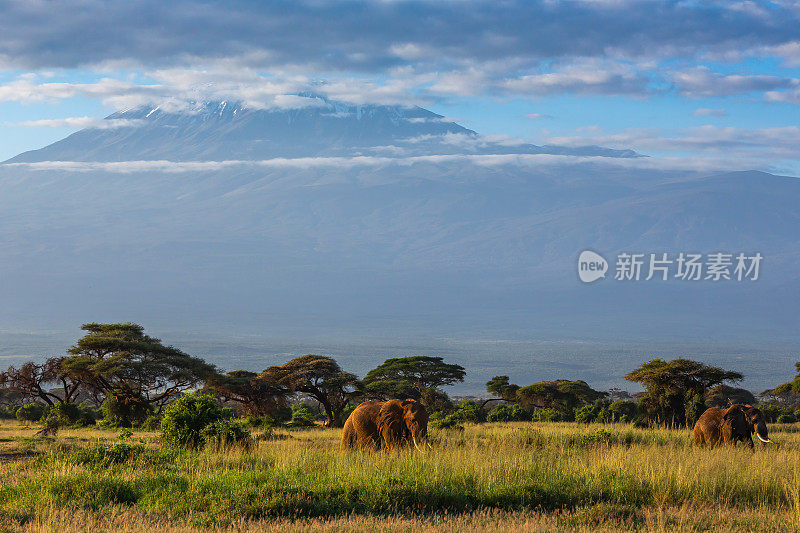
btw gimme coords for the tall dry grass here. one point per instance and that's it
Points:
(545, 476)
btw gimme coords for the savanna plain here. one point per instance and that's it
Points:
(521, 476)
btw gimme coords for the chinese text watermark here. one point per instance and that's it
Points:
(683, 266)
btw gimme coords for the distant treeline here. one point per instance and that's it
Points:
(117, 376)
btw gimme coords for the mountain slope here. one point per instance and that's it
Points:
(223, 131)
(392, 248)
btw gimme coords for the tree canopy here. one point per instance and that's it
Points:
(318, 377)
(120, 360)
(671, 386)
(417, 377)
(252, 392)
(562, 395)
(500, 387)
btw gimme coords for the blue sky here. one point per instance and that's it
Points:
(699, 81)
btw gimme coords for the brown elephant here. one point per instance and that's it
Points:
(391, 424)
(735, 424)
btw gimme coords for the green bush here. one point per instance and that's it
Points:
(185, 419)
(786, 419)
(587, 414)
(441, 420)
(225, 432)
(124, 413)
(507, 413)
(68, 414)
(151, 423)
(470, 411)
(547, 415)
(262, 421)
(301, 417)
(30, 412)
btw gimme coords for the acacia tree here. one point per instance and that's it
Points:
(675, 390)
(320, 378)
(500, 387)
(562, 395)
(137, 372)
(32, 380)
(418, 377)
(255, 394)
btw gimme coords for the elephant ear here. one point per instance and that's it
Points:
(390, 417)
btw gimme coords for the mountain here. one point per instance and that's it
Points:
(384, 230)
(223, 131)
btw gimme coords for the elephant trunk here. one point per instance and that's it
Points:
(761, 432)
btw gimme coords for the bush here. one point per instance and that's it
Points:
(587, 414)
(185, 419)
(507, 413)
(151, 423)
(69, 414)
(123, 414)
(30, 412)
(225, 432)
(444, 421)
(301, 417)
(786, 419)
(261, 421)
(470, 411)
(547, 415)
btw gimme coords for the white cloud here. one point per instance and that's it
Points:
(306, 163)
(701, 81)
(81, 123)
(708, 112)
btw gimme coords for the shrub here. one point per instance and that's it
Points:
(470, 411)
(225, 432)
(261, 421)
(444, 421)
(30, 412)
(185, 419)
(123, 414)
(786, 419)
(507, 413)
(66, 414)
(151, 423)
(586, 414)
(301, 417)
(547, 415)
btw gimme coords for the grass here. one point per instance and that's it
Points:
(531, 476)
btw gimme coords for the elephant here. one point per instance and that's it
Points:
(735, 424)
(757, 423)
(391, 424)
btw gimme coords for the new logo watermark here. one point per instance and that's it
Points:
(683, 266)
(591, 266)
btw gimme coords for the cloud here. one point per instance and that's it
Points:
(764, 144)
(701, 81)
(371, 36)
(81, 123)
(536, 161)
(707, 112)
(538, 116)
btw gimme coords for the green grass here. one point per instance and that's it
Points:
(563, 474)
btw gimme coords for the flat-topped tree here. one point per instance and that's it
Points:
(140, 373)
(320, 378)
(419, 377)
(672, 387)
(255, 394)
(562, 395)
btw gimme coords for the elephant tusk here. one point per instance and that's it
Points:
(415, 443)
(763, 440)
